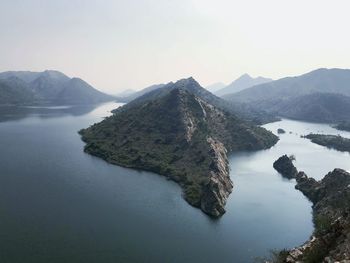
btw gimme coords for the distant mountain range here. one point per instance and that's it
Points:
(218, 88)
(215, 87)
(48, 87)
(182, 132)
(316, 107)
(320, 95)
(131, 95)
(243, 82)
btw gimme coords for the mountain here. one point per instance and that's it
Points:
(49, 84)
(315, 96)
(77, 91)
(179, 135)
(241, 110)
(317, 107)
(317, 81)
(48, 87)
(15, 91)
(215, 87)
(139, 93)
(26, 76)
(243, 82)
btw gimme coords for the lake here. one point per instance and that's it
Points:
(58, 204)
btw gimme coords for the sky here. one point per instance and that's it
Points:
(117, 45)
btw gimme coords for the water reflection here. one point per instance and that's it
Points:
(11, 113)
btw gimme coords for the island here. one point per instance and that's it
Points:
(179, 135)
(331, 215)
(280, 131)
(331, 141)
(284, 165)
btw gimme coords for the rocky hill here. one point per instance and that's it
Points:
(284, 165)
(331, 209)
(243, 111)
(180, 135)
(48, 87)
(331, 215)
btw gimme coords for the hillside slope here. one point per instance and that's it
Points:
(15, 91)
(317, 81)
(48, 87)
(181, 136)
(320, 96)
(317, 107)
(243, 111)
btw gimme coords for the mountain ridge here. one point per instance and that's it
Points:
(243, 82)
(181, 136)
(47, 87)
(313, 96)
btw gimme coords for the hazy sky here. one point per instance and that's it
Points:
(116, 45)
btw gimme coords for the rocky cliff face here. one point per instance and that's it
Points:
(181, 136)
(331, 206)
(330, 241)
(216, 192)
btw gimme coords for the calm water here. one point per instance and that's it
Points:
(58, 204)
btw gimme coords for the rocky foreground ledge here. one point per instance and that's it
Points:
(330, 196)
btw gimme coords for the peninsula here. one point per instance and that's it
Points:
(179, 134)
(331, 141)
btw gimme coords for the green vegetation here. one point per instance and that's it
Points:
(343, 126)
(322, 224)
(331, 214)
(331, 141)
(177, 135)
(316, 254)
(322, 95)
(15, 92)
(275, 256)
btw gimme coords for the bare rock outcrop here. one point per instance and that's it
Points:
(284, 165)
(216, 192)
(330, 242)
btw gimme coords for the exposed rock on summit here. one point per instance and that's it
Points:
(177, 133)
